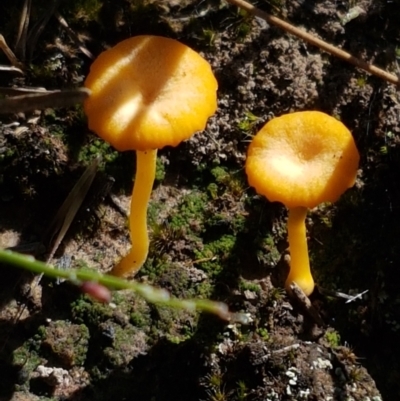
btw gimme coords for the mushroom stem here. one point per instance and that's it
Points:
(299, 262)
(144, 179)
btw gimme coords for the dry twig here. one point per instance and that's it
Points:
(302, 300)
(40, 100)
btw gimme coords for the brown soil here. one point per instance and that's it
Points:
(230, 244)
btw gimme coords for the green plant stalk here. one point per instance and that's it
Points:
(149, 293)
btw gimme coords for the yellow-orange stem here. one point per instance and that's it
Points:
(300, 271)
(144, 180)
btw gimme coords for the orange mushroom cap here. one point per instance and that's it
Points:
(148, 92)
(302, 159)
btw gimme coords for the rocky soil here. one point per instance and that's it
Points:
(212, 235)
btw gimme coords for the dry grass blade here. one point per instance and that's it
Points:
(38, 28)
(11, 69)
(73, 35)
(20, 43)
(37, 101)
(62, 221)
(6, 91)
(10, 55)
(335, 51)
(67, 212)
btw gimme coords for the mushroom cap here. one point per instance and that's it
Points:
(302, 159)
(148, 92)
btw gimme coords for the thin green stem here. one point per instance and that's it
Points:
(149, 293)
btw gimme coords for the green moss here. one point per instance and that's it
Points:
(242, 391)
(267, 252)
(84, 310)
(228, 181)
(249, 286)
(7, 156)
(153, 212)
(201, 168)
(127, 343)
(204, 289)
(220, 174)
(139, 312)
(209, 36)
(96, 147)
(66, 343)
(127, 324)
(233, 223)
(160, 170)
(333, 338)
(276, 294)
(190, 210)
(27, 355)
(212, 190)
(81, 264)
(176, 325)
(154, 267)
(44, 72)
(244, 26)
(177, 282)
(263, 333)
(215, 383)
(213, 255)
(248, 123)
(238, 222)
(277, 5)
(27, 358)
(137, 319)
(326, 220)
(163, 236)
(361, 81)
(82, 11)
(357, 374)
(215, 380)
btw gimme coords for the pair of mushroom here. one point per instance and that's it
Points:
(148, 92)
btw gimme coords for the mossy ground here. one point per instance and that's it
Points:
(211, 235)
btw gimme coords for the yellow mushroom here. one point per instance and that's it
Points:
(147, 92)
(302, 159)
